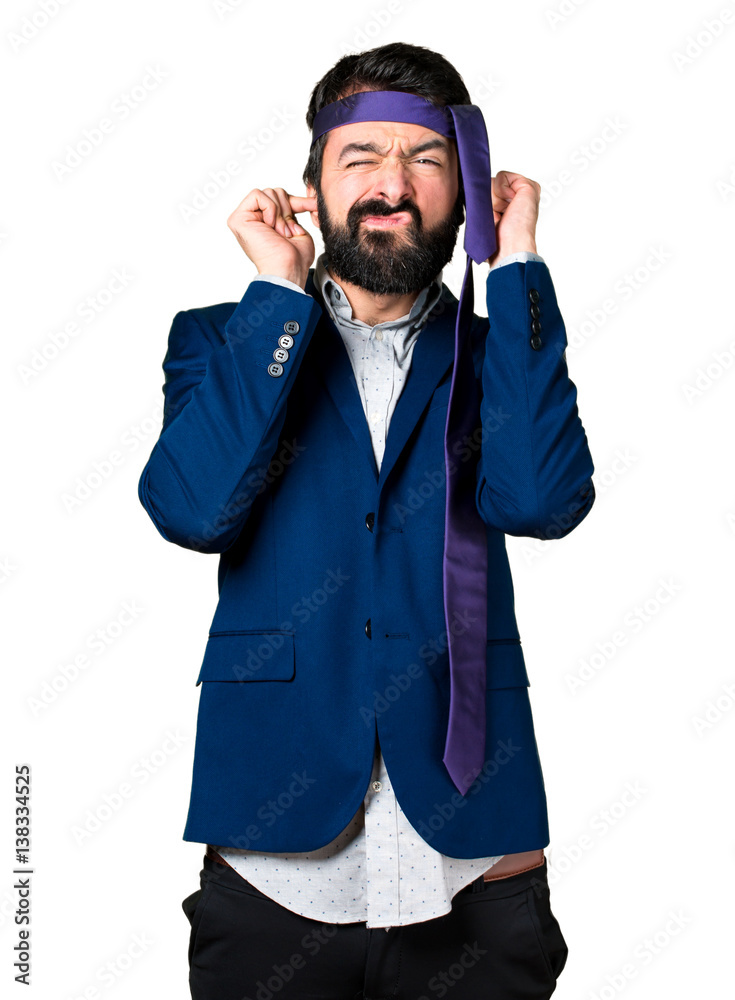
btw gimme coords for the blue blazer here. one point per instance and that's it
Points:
(330, 621)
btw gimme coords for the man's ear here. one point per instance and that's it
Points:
(311, 193)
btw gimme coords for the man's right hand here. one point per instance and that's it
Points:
(264, 224)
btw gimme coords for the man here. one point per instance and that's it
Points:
(304, 441)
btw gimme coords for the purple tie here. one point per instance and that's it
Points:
(465, 535)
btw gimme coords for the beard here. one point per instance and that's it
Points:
(396, 261)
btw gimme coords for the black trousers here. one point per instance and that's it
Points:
(499, 942)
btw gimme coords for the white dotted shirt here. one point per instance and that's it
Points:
(378, 869)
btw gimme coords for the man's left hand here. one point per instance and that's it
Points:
(515, 212)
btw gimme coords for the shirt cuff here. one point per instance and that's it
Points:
(521, 256)
(277, 280)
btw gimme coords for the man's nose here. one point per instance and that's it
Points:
(393, 183)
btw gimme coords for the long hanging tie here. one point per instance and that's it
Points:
(465, 536)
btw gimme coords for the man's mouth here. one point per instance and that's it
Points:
(386, 221)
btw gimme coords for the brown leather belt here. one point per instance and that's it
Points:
(512, 864)
(509, 864)
(211, 853)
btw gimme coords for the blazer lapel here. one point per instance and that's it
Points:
(432, 357)
(329, 357)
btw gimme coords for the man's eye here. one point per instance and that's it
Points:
(358, 163)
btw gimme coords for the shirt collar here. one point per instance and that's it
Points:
(340, 309)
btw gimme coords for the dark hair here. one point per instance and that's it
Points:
(413, 69)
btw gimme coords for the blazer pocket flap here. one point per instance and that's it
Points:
(506, 666)
(248, 656)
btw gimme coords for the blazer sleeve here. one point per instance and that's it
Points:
(223, 414)
(534, 471)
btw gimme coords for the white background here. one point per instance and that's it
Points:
(647, 207)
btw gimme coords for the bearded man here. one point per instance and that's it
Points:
(355, 444)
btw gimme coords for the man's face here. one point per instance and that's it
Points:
(389, 214)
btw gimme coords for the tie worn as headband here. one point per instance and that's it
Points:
(465, 537)
(462, 122)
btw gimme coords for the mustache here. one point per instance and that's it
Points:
(379, 210)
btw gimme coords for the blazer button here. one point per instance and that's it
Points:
(368, 630)
(536, 342)
(370, 521)
(534, 295)
(535, 311)
(535, 326)
(285, 341)
(280, 354)
(275, 369)
(291, 327)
